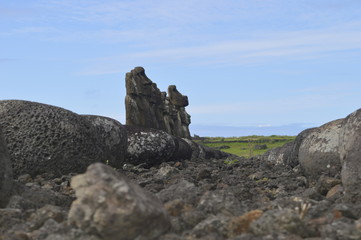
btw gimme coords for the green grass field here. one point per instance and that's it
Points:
(248, 146)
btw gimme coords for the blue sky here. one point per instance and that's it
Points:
(247, 66)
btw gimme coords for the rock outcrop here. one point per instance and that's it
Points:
(331, 150)
(44, 138)
(319, 151)
(146, 106)
(111, 206)
(5, 172)
(350, 155)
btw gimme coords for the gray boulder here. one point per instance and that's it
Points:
(111, 206)
(293, 158)
(44, 138)
(319, 151)
(5, 172)
(350, 155)
(279, 155)
(149, 146)
(113, 135)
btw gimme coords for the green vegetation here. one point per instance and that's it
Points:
(245, 146)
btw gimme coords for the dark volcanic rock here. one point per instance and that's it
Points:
(149, 146)
(275, 221)
(350, 154)
(43, 138)
(182, 150)
(111, 206)
(113, 135)
(319, 151)
(279, 155)
(197, 149)
(5, 172)
(33, 196)
(292, 159)
(207, 194)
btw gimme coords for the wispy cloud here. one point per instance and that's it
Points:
(326, 96)
(32, 29)
(7, 59)
(280, 46)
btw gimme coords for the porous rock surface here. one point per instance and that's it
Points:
(6, 175)
(111, 206)
(113, 135)
(319, 151)
(208, 195)
(146, 106)
(204, 198)
(151, 147)
(331, 151)
(350, 154)
(278, 155)
(44, 138)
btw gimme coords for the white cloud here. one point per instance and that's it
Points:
(280, 46)
(32, 29)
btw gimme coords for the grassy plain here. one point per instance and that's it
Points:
(248, 146)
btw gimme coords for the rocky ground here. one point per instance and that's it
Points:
(205, 199)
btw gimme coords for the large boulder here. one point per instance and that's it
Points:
(149, 146)
(319, 152)
(293, 159)
(111, 206)
(279, 155)
(113, 135)
(5, 172)
(350, 155)
(44, 138)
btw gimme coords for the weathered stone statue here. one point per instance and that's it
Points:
(146, 106)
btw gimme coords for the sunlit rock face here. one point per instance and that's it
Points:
(319, 151)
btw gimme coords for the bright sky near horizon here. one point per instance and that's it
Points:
(247, 66)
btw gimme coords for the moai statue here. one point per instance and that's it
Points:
(143, 102)
(147, 106)
(181, 119)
